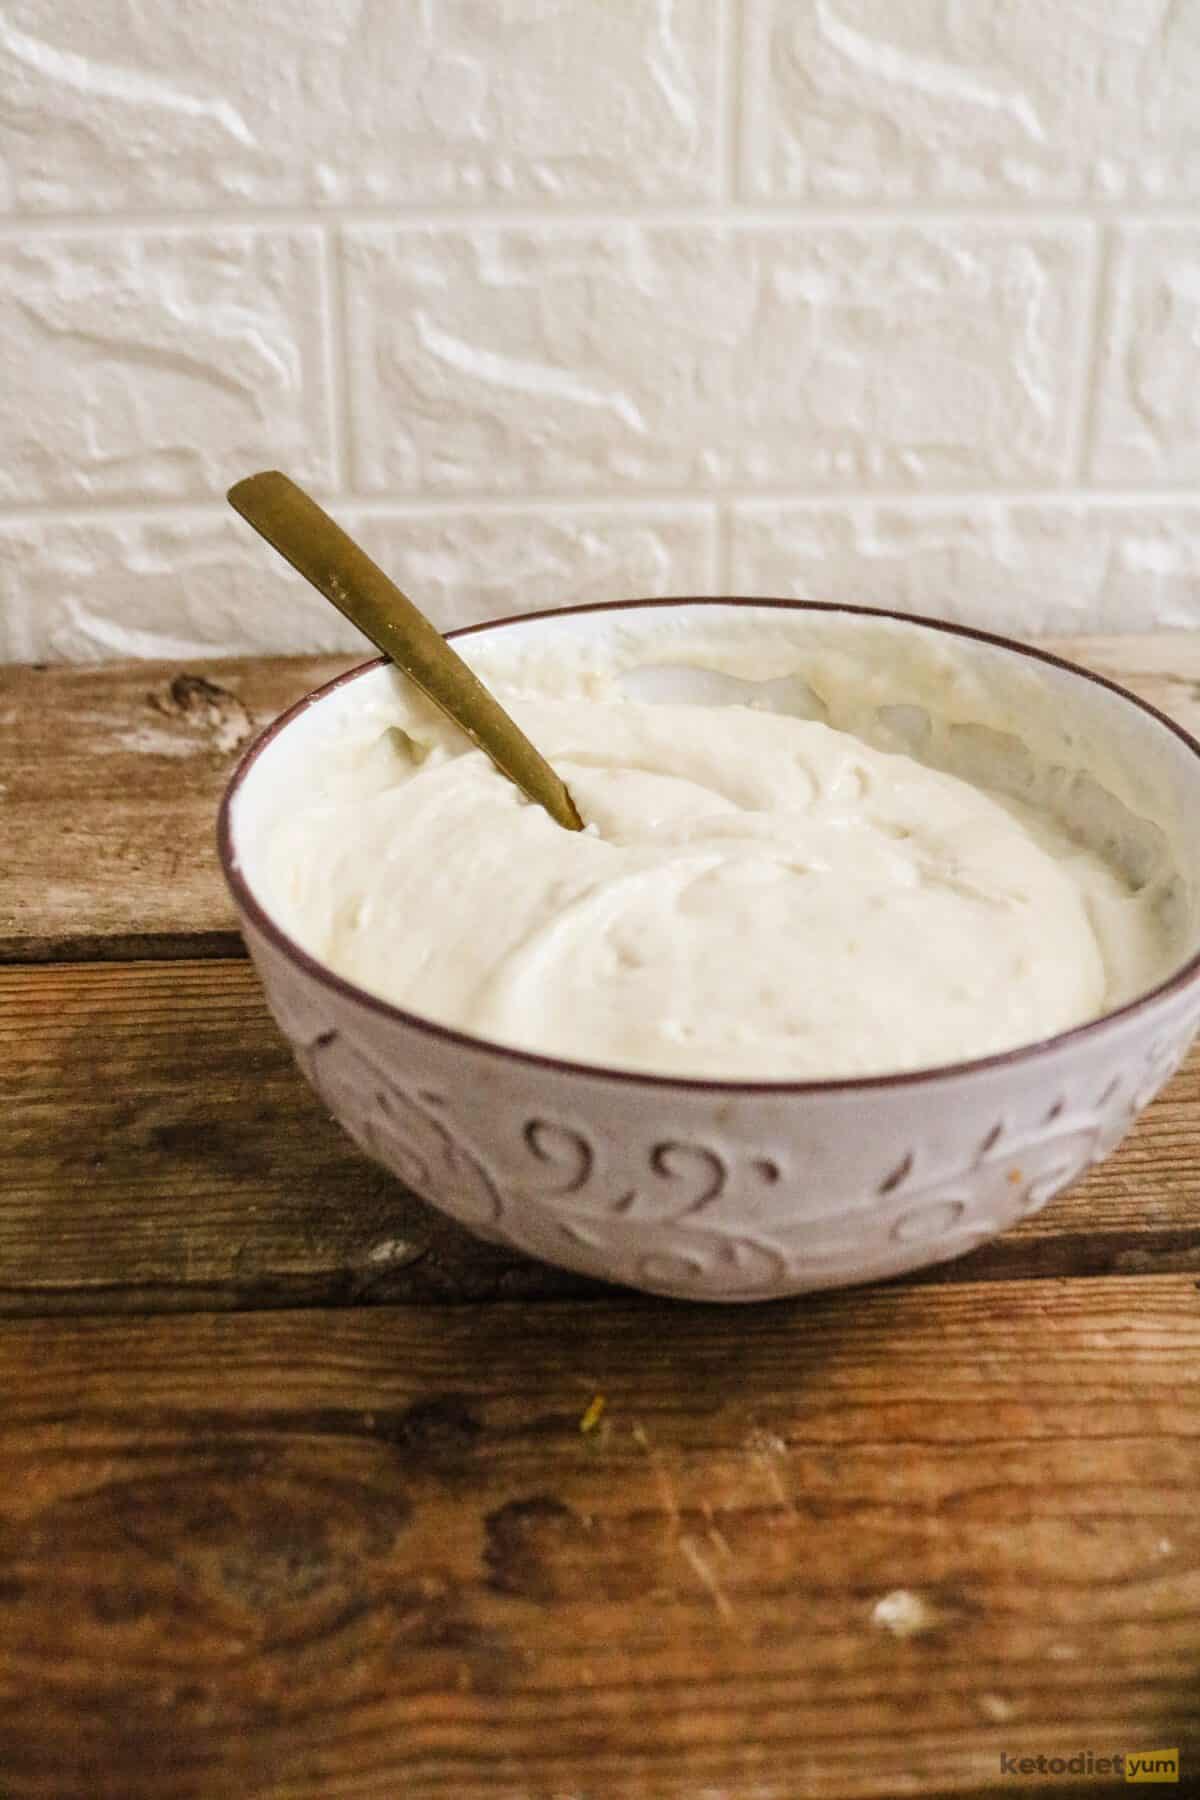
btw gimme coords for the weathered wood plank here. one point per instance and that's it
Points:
(857, 1546)
(110, 780)
(160, 1151)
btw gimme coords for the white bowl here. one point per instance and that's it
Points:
(727, 1190)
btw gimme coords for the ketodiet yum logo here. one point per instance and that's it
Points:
(1134, 1765)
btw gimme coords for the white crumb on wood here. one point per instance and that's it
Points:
(903, 1613)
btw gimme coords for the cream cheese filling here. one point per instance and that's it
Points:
(757, 896)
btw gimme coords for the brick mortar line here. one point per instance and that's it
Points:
(718, 505)
(723, 548)
(733, 214)
(728, 95)
(1100, 319)
(1079, 366)
(333, 356)
(339, 328)
(752, 28)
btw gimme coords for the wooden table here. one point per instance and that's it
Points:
(297, 1501)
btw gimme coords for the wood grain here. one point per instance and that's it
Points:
(853, 1546)
(112, 775)
(160, 1150)
(111, 778)
(856, 1545)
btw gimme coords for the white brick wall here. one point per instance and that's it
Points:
(563, 299)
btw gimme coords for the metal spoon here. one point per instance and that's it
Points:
(293, 523)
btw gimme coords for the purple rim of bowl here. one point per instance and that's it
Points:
(262, 920)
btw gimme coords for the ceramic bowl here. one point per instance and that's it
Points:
(725, 1190)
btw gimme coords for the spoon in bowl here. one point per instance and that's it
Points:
(304, 534)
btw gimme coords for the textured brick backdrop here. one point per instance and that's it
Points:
(562, 299)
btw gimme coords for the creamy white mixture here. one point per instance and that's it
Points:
(756, 896)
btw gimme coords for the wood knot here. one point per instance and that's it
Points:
(218, 1562)
(210, 714)
(534, 1548)
(438, 1433)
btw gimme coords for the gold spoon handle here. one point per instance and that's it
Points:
(307, 537)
